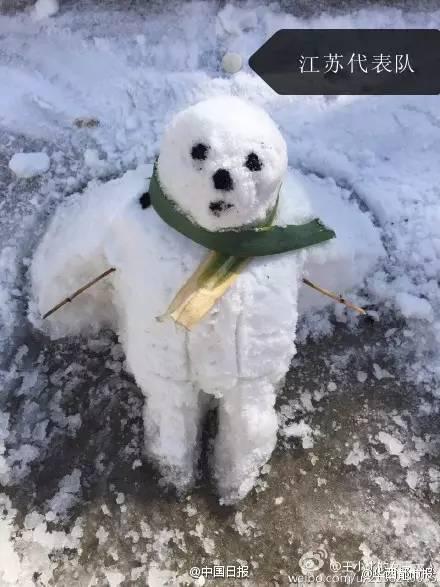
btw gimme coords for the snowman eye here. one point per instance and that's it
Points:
(253, 162)
(199, 151)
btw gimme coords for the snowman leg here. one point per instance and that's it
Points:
(171, 425)
(246, 437)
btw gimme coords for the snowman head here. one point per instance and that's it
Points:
(222, 162)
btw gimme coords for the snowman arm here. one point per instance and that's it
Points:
(340, 299)
(69, 299)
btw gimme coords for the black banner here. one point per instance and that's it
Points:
(350, 61)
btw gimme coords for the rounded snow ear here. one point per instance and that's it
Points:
(145, 200)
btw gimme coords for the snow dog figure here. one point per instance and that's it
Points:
(222, 166)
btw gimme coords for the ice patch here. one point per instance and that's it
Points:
(381, 373)
(300, 430)
(361, 376)
(412, 478)
(355, 456)
(68, 493)
(114, 578)
(391, 443)
(243, 528)
(414, 307)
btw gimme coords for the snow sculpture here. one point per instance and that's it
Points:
(221, 164)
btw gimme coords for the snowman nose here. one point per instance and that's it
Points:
(222, 180)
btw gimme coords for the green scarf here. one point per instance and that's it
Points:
(241, 242)
(231, 250)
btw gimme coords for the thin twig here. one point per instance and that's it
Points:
(337, 298)
(78, 292)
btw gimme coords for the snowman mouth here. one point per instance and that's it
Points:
(217, 207)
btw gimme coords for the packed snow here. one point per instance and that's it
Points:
(44, 9)
(129, 72)
(232, 62)
(29, 164)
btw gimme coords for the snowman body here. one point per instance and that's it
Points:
(240, 352)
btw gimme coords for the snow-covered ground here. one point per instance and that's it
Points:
(357, 471)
